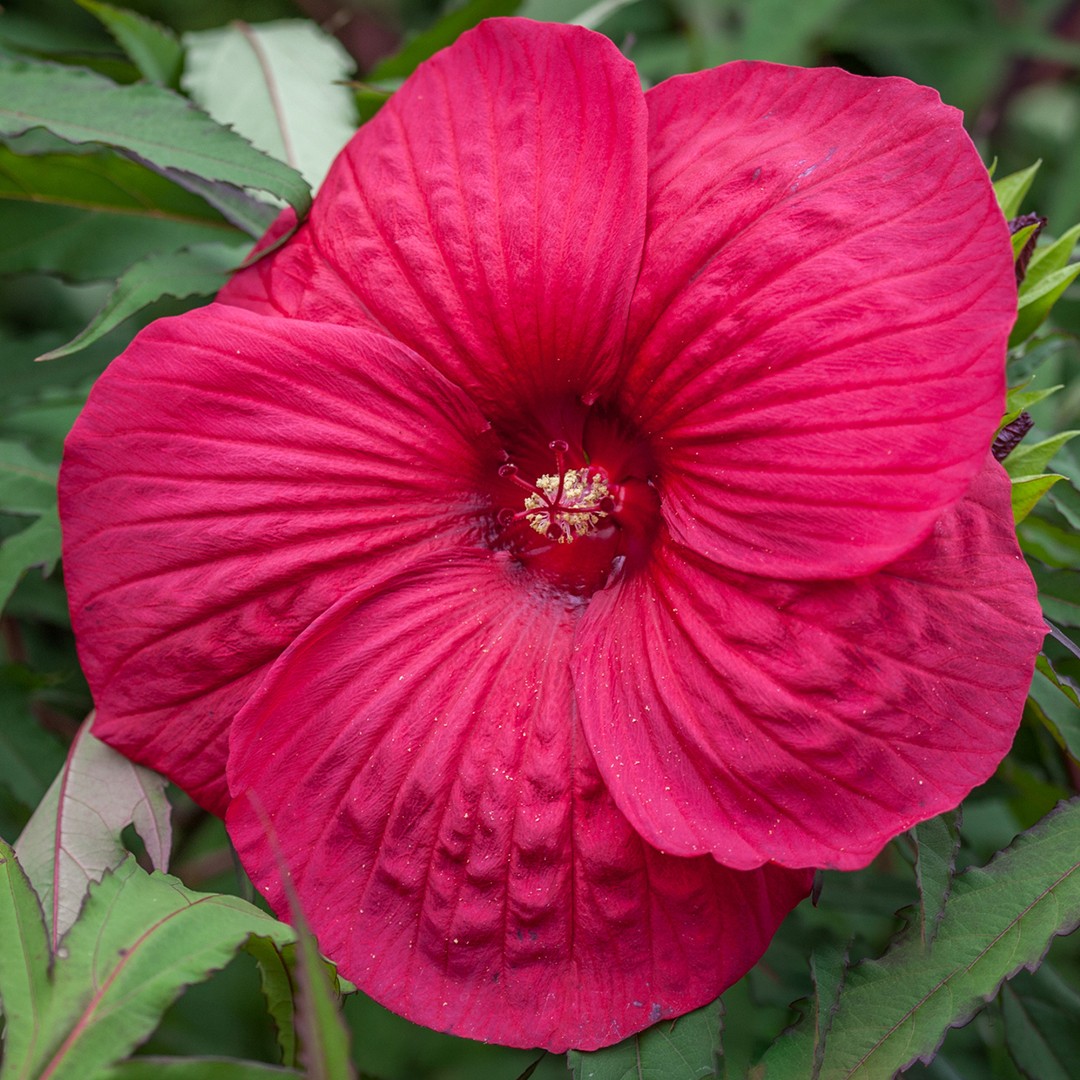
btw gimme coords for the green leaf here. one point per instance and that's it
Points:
(279, 85)
(1041, 1031)
(1020, 398)
(445, 32)
(828, 969)
(1019, 239)
(937, 842)
(195, 1068)
(1066, 500)
(1010, 190)
(27, 485)
(198, 271)
(24, 962)
(1059, 593)
(152, 48)
(235, 205)
(999, 919)
(139, 941)
(30, 756)
(1052, 544)
(1029, 459)
(38, 545)
(682, 1049)
(1033, 354)
(275, 976)
(323, 1038)
(1028, 490)
(1050, 258)
(90, 216)
(593, 17)
(156, 125)
(74, 836)
(1035, 302)
(369, 100)
(1053, 703)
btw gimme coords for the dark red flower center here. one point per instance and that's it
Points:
(574, 500)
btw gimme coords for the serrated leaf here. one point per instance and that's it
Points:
(682, 1049)
(444, 32)
(998, 920)
(151, 47)
(88, 217)
(1028, 490)
(279, 85)
(197, 271)
(24, 960)
(277, 987)
(1010, 190)
(1029, 459)
(139, 941)
(828, 969)
(937, 843)
(73, 837)
(1041, 1032)
(38, 545)
(1035, 302)
(153, 123)
(195, 1068)
(235, 205)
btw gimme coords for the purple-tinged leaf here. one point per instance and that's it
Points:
(278, 84)
(74, 836)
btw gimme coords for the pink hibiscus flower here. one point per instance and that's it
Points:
(580, 527)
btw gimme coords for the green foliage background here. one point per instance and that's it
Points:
(68, 232)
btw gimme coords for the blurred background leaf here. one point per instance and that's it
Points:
(75, 219)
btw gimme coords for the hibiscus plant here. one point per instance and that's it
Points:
(540, 534)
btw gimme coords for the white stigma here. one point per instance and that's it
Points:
(569, 506)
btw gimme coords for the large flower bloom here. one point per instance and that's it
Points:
(581, 526)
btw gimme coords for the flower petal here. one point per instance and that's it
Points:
(227, 477)
(808, 723)
(491, 216)
(418, 755)
(821, 319)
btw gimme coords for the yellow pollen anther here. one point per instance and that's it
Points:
(569, 506)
